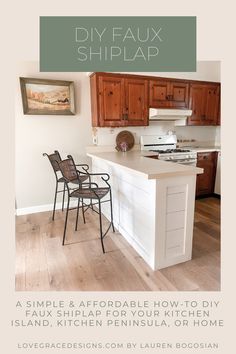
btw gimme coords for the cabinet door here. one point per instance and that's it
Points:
(219, 108)
(179, 93)
(212, 105)
(111, 101)
(197, 99)
(206, 180)
(136, 102)
(159, 94)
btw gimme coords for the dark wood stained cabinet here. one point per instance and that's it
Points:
(206, 181)
(168, 94)
(110, 101)
(204, 101)
(136, 102)
(118, 101)
(219, 110)
(121, 100)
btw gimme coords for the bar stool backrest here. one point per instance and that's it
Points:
(68, 170)
(54, 159)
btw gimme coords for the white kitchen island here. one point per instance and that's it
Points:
(153, 204)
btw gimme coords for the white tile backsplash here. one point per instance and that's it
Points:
(196, 133)
(218, 136)
(107, 136)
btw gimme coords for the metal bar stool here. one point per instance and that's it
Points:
(89, 190)
(54, 159)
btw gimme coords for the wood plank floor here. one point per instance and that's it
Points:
(42, 264)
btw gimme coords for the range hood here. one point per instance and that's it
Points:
(159, 114)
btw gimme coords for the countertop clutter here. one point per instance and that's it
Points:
(137, 163)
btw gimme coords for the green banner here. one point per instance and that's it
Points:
(118, 44)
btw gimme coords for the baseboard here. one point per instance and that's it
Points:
(42, 208)
(47, 207)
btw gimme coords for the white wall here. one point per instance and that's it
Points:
(38, 134)
(206, 71)
(71, 134)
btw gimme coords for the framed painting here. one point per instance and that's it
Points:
(46, 97)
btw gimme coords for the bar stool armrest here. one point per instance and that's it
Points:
(84, 166)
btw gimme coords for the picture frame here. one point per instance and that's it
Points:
(47, 97)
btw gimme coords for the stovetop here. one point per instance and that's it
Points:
(170, 151)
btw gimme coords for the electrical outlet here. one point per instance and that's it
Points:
(95, 140)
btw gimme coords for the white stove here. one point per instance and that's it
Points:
(165, 148)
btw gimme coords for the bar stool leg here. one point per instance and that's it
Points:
(83, 211)
(67, 210)
(63, 199)
(100, 222)
(111, 206)
(77, 215)
(54, 205)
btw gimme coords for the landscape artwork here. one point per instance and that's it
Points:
(47, 96)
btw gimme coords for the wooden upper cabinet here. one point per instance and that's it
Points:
(159, 94)
(219, 110)
(196, 104)
(205, 104)
(136, 99)
(168, 94)
(179, 94)
(118, 101)
(111, 101)
(212, 104)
